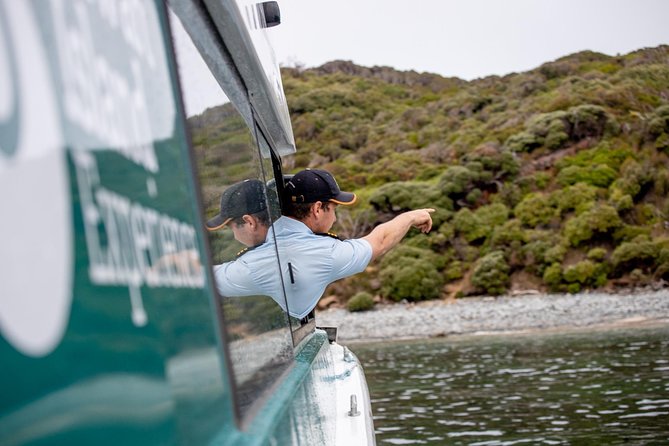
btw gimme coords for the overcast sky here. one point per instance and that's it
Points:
(463, 38)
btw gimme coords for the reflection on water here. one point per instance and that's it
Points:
(588, 388)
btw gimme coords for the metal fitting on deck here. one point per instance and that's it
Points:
(354, 407)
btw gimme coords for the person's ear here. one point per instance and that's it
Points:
(316, 208)
(248, 219)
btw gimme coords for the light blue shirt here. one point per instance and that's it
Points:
(315, 261)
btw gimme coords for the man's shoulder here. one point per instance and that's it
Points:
(328, 234)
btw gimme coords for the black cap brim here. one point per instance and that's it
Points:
(217, 223)
(345, 198)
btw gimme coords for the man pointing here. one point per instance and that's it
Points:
(310, 258)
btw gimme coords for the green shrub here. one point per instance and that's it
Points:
(597, 254)
(551, 128)
(587, 121)
(607, 153)
(657, 128)
(621, 201)
(599, 175)
(556, 252)
(639, 253)
(453, 271)
(553, 276)
(646, 214)
(361, 301)
(523, 142)
(509, 194)
(573, 288)
(458, 181)
(404, 250)
(469, 225)
(412, 273)
(510, 234)
(535, 210)
(541, 180)
(473, 196)
(579, 197)
(662, 262)
(627, 233)
(478, 225)
(401, 196)
(555, 129)
(491, 273)
(585, 273)
(493, 215)
(600, 220)
(634, 177)
(538, 243)
(495, 159)
(412, 279)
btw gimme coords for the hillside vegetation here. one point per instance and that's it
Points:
(556, 179)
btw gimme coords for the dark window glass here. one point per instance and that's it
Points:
(226, 153)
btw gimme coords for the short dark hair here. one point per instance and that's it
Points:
(262, 217)
(301, 210)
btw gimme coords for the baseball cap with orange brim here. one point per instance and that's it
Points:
(312, 185)
(244, 198)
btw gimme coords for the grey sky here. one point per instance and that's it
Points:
(463, 38)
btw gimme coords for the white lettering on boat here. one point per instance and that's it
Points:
(140, 247)
(99, 97)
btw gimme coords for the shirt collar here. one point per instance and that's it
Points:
(287, 225)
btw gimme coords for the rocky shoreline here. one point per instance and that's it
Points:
(502, 314)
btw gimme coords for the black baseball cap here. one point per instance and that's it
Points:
(312, 185)
(246, 197)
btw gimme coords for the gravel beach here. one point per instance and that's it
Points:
(498, 314)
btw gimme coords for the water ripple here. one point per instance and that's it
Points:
(543, 389)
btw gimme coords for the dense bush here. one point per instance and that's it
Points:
(550, 128)
(523, 142)
(509, 235)
(411, 279)
(600, 220)
(585, 273)
(556, 129)
(478, 225)
(412, 273)
(502, 163)
(491, 273)
(468, 225)
(553, 276)
(657, 128)
(457, 181)
(597, 254)
(578, 198)
(536, 209)
(539, 251)
(599, 175)
(401, 196)
(361, 301)
(633, 181)
(642, 253)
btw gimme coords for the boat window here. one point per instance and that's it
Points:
(229, 164)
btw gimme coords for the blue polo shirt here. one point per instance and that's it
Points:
(309, 263)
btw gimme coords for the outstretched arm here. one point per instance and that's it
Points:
(385, 236)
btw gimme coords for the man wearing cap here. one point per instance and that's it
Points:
(244, 211)
(310, 259)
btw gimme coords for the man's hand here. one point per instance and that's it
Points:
(422, 219)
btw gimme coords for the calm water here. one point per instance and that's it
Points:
(598, 388)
